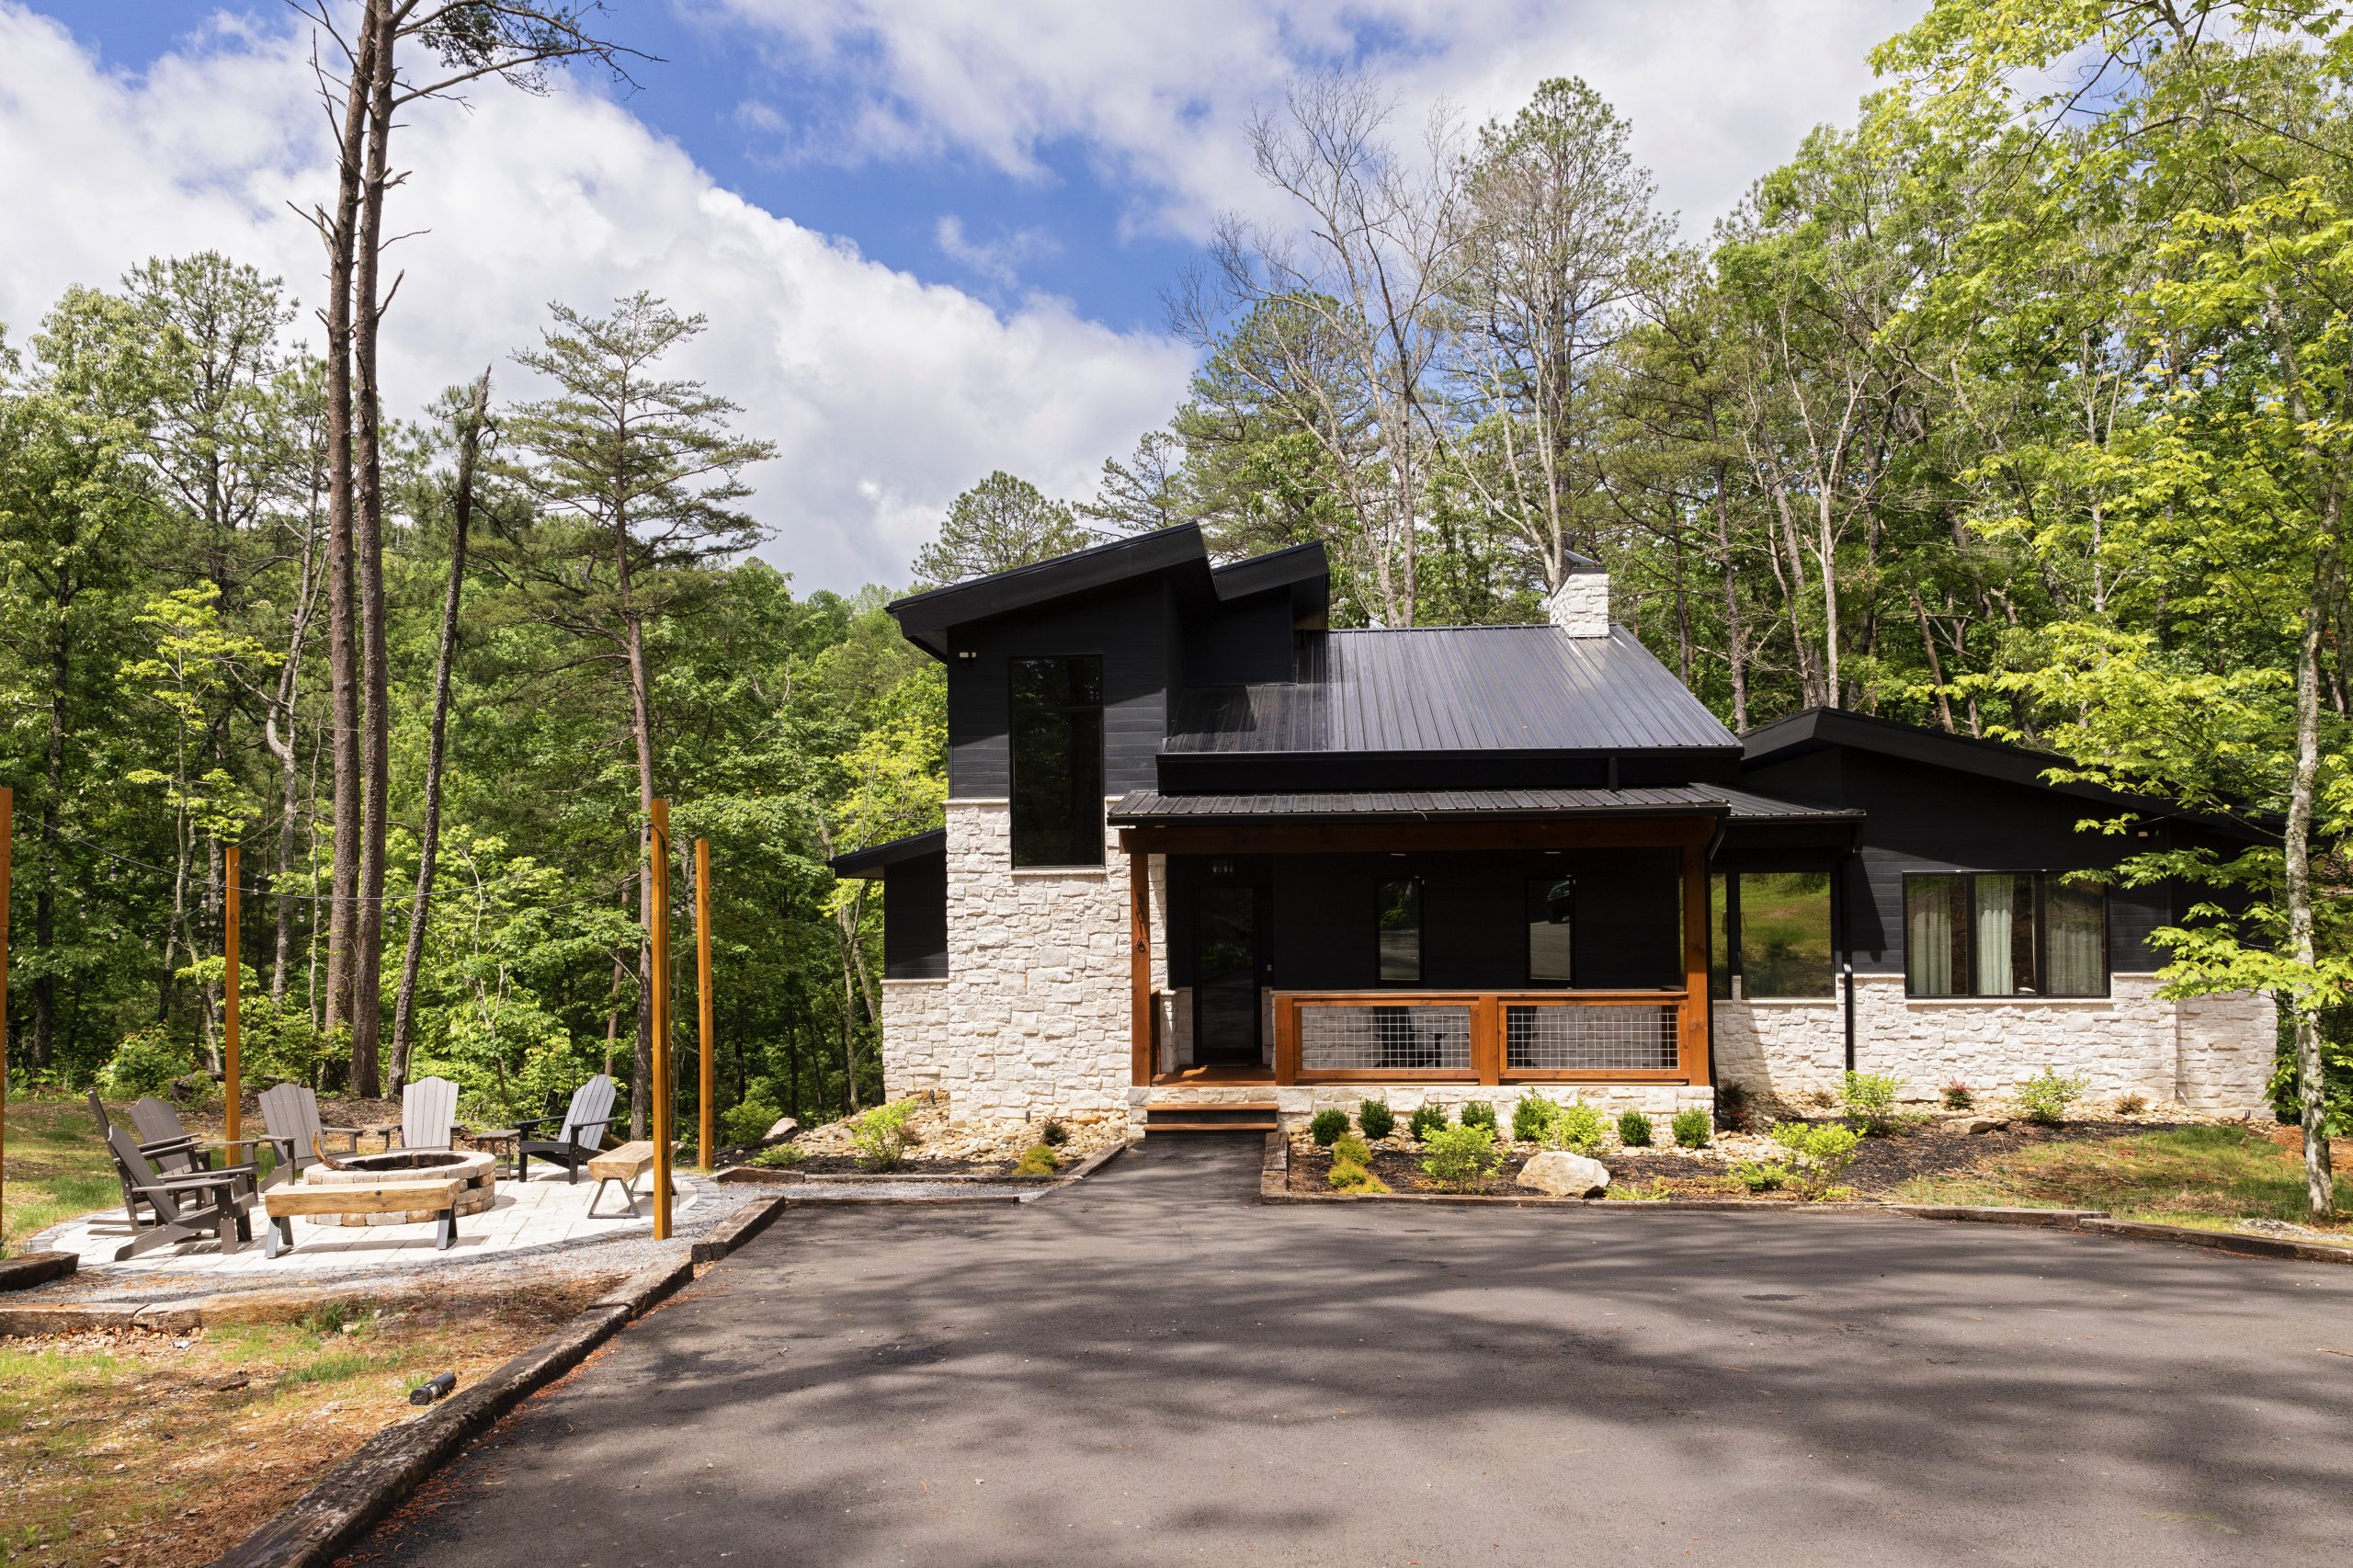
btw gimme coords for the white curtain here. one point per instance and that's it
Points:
(2078, 938)
(1928, 940)
(1996, 898)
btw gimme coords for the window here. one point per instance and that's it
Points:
(1771, 933)
(1398, 930)
(1058, 761)
(2004, 934)
(1551, 907)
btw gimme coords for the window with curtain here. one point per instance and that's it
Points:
(1057, 741)
(2004, 934)
(1397, 925)
(1552, 906)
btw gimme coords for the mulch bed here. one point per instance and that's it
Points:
(1881, 1165)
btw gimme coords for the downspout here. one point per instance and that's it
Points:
(1846, 938)
(1707, 993)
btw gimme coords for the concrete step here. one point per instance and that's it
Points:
(1228, 1117)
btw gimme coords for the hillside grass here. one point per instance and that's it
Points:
(57, 1168)
(2214, 1177)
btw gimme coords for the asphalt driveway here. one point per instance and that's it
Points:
(1150, 1368)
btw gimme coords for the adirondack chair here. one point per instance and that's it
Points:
(290, 1112)
(581, 1134)
(166, 1210)
(168, 1149)
(428, 1110)
(175, 1149)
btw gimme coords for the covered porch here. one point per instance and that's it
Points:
(1452, 941)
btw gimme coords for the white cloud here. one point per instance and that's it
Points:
(1719, 91)
(1000, 259)
(885, 394)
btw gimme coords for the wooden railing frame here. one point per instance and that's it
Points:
(1487, 1063)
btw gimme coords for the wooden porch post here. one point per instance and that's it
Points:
(1139, 966)
(1692, 1045)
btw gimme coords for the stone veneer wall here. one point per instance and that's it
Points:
(1034, 1016)
(2212, 1053)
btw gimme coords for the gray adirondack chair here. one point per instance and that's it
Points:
(580, 1135)
(175, 1149)
(428, 1110)
(290, 1112)
(165, 1211)
(160, 1151)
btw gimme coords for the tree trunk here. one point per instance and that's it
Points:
(429, 846)
(641, 734)
(61, 667)
(1735, 637)
(2320, 1185)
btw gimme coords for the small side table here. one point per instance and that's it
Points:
(510, 1135)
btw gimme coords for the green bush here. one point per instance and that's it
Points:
(1634, 1129)
(1038, 1160)
(1427, 1120)
(1761, 1175)
(881, 1135)
(1576, 1127)
(2046, 1096)
(1958, 1095)
(1461, 1158)
(2133, 1105)
(1479, 1113)
(1821, 1150)
(1870, 1100)
(783, 1157)
(146, 1063)
(1531, 1118)
(1349, 1176)
(1327, 1126)
(1352, 1149)
(1054, 1134)
(749, 1122)
(1377, 1120)
(1692, 1128)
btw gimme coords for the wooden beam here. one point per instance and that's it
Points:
(1692, 1046)
(1140, 1064)
(706, 1076)
(660, 1016)
(1259, 835)
(231, 989)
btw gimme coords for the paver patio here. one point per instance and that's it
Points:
(1149, 1368)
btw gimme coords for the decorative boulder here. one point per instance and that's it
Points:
(782, 1128)
(1564, 1174)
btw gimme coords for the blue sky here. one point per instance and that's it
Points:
(931, 236)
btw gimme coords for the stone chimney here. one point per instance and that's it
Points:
(1581, 604)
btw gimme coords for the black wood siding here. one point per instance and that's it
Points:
(1239, 641)
(914, 919)
(1128, 625)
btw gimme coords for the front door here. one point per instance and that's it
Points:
(1225, 975)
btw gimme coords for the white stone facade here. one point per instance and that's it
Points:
(2212, 1054)
(1580, 605)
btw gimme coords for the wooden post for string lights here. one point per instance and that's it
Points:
(231, 1068)
(706, 1128)
(7, 826)
(661, 1019)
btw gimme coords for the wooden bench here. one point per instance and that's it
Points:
(393, 1197)
(623, 1164)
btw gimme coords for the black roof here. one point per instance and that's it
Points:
(1145, 806)
(1454, 688)
(924, 617)
(874, 860)
(1820, 729)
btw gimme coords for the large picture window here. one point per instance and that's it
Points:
(2003, 934)
(1771, 929)
(1058, 761)
(1397, 930)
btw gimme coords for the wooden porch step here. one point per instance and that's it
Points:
(1253, 1117)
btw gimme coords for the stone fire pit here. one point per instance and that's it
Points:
(477, 1169)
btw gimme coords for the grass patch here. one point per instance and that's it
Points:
(58, 1168)
(2210, 1176)
(165, 1450)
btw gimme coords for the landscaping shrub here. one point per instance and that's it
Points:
(1761, 1175)
(146, 1063)
(749, 1122)
(783, 1157)
(1821, 1150)
(881, 1135)
(1461, 1158)
(1038, 1160)
(1052, 1133)
(2131, 1105)
(1958, 1095)
(1638, 1192)
(1327, 1126)
(1870, 1100)
(1349, 1176)
(1576, 1127)
(1427, 1120)
(1634, 1129)
(1352, 1149)
(1691, 1128)
(1377, 1120)
(1531, 1117)
(1479, 1113)
(2046, 1096)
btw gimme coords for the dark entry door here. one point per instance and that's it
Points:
(1225, 975)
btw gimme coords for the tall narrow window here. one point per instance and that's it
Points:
(1058, 761)
(1552, 906)
(2004, 934)
(2076, 918)
(1784, 925)
(1398, 929)
(1936, 935)
(2002, 909)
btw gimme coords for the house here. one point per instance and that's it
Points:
(1206, 857)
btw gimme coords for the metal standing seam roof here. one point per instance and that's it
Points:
(1455, 688)
(1145, 806)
